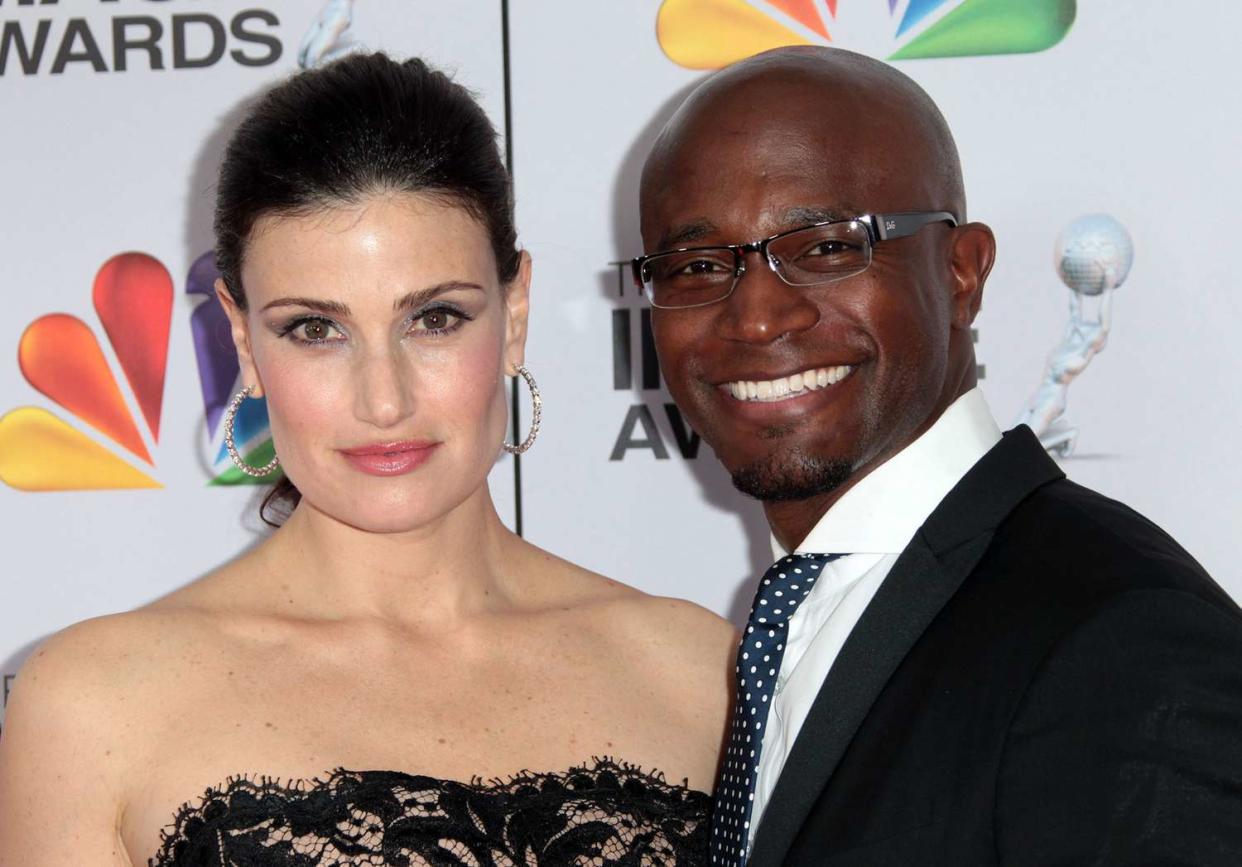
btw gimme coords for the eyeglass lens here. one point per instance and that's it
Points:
(806, 257)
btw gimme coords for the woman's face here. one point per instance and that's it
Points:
(380, 335)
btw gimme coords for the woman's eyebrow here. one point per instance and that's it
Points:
(334, 308)
(405, 302)
(422, 296)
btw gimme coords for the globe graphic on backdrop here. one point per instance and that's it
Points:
(1089, 249)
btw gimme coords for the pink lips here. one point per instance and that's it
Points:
(390, 459)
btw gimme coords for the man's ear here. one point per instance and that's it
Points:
(517, 305)
(241, 338)
(971, 258)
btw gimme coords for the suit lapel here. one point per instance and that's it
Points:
(922, 580)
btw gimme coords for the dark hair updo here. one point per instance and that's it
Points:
(361, 125)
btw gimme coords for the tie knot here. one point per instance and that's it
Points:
(786, 584)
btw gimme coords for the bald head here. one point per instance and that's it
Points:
(816, 104)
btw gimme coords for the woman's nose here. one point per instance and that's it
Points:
(381, 387)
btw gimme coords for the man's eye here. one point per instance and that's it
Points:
(702, 266)
(828, 248)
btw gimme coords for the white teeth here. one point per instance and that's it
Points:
(789, 386)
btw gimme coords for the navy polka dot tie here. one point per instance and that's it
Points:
(783, 586)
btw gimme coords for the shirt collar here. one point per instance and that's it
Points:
(882, 512)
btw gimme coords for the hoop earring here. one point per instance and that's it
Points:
(234, 455)
(536, 413)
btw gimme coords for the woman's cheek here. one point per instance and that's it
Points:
(306, 399)
(466, 380)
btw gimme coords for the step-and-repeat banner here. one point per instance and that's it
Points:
(1093, 138)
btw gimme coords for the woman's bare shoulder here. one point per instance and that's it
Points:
(107, 668)
(550, 581)
(628, 608)
(104, 656)
(685, 628)
(573, 583)
(696, 630)
(75, 727)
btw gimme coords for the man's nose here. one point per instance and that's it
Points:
(763, 308)
(381, 387)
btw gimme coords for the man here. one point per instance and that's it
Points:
(960, 657)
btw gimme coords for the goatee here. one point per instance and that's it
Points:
(784, 477)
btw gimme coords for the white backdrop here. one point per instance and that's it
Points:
(1125, 115)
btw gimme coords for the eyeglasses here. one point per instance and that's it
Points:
(809, 256)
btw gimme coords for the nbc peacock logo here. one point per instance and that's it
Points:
(105, 446)
(709, 34)
(218, 376)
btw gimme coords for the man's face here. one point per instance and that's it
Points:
(880, 338)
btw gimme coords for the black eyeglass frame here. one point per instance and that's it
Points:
(880, 227)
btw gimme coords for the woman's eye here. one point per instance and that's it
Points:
(438, 320)
(435, 320)
(314, 331)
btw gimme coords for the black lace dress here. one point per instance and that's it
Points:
(602, 814)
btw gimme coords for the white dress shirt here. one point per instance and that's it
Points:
(872, 523)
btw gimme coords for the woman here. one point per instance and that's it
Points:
(393, 677)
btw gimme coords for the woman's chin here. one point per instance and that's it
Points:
(396, 513)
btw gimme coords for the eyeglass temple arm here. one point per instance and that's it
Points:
(900, 225)
(636, 270)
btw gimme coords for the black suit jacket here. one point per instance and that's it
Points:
(1044, 678)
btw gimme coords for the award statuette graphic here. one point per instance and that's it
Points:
(328, 37)
(1092, 256)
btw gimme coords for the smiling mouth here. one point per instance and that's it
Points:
(787, 387)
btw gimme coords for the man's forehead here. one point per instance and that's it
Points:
(764, 191)
(832, 154)
(827, 130)
(830, 150)
(763, 194)
(682, 231)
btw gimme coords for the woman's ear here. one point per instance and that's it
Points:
(241, 338)
(517, 304)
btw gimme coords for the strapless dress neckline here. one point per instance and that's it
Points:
(603, 812)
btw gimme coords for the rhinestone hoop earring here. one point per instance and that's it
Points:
(234, 455)
(536, 413)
